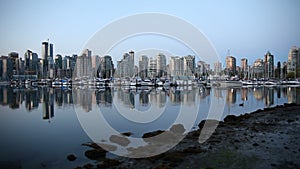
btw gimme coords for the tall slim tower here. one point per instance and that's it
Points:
(269, 65)
(161, 64)
(47, 59)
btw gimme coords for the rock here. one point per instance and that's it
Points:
(108, 163)
(177, 128)
(121, 140)
(95, 154)
(231, 118)
(88, 166)
(127, 134)
(152, 134)
(255, 144)
(162, 166)
(71, 157)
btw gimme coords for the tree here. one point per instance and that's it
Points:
(290, 75)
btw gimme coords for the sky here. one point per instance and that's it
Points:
(248, 28)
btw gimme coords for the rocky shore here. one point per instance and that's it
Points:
(266, 138)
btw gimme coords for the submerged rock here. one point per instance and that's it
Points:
(71, 157)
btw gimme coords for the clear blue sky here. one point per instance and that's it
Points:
(249, 28)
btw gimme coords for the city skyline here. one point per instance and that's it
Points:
(89, 64)
(249, 29)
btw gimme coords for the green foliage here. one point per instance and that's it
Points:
(290, 75)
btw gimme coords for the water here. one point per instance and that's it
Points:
(40, 126)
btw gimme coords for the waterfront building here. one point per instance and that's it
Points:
(244, 68)
(218, 68)
(161, 65)
(269, 65)
(14, 57)
(31, 63)
(176, 66)
(293, 64)
(125, 67)
(106, 67)
(5, 68)
(231, 65)
(188, 65)
(143, 66)
(258, 69)
(201, 68)
(152, 68)
(83, 65)
(47, 58)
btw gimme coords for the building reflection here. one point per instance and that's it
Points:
(50, 98)
(244, 94)
(231, 96)
(269, 96)
(32, 98)
(293, 95)
(258, 93)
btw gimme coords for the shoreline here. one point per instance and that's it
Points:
(265, 138)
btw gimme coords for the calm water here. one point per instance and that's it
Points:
(40, 126)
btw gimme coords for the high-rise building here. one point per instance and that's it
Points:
(96, 66)
(125, 67)
(188, 65)
(176, 66)
(58, 66)
(152, 68)
(201, 68)
(231, 65)
(143, 66)
(269, 65)
(258, 69)
(218, 68)
(31, 63)
(244, 67)
(83, 65)
(14, 57)
(161, 65)
(293, 64)
(106, 67)
(47, 59)
(244, 64)
(5, 68)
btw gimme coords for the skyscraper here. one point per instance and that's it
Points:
(106, 67)
(293, 65)
(31, 63)
(269, 65)
(231, 65)
(201, 68)
(161, 65)
(258, 69)
(188, 65)
(6, 68)
(47, 59)
(176, 66)
(218, 68)
(152, 66)
(143, 66)
(83, 64)
(14, 57)
(244, 67)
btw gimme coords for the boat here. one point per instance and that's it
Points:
(147, 82)
(229, 83)
(249, 83)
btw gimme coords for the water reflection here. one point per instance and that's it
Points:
(140, 98)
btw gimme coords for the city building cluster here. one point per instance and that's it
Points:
(262, 68)
(48, 66)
